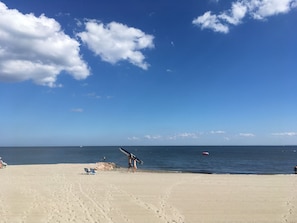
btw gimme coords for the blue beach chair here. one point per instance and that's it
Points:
(90, 171)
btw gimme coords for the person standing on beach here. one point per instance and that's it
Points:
(132, 162)
(2, 163)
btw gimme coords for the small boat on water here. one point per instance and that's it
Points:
(205, 153)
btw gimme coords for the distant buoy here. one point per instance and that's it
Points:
(205, 153)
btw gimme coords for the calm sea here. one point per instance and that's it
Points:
(221, 159)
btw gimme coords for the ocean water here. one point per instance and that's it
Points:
(221, 159)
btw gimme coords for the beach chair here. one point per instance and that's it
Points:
(90, 171)
(87, 170)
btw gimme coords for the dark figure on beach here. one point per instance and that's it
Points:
(132, 162)
(295, 169)
(129, 162)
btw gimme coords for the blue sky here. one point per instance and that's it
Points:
(148, 72)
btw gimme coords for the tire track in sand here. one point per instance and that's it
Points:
(166, 207)
(119, 213)
(102, 210)
(161, 212)
(3, 211)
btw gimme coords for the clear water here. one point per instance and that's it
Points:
(221, 159)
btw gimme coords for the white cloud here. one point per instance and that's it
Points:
(35, 48)
(260, 9)
(115, 42)
(150, 137)
(218, 132)
(236, 14)
(257, 9)
(285, 134)
(246, 134)
(185, 135)
(133, 138)
(78, 110)
(210, 21)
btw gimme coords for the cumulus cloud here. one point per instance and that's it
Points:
(285, 134)
(152, 137)
(246, 134)
(185, 135)
(256, 9)
(188, 135)
(260, 9)
(208, 20)
(35, 48)
(217, 132)
(133, 138)
(116, 42)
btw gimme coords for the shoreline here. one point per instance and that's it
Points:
(119, 168)
(65, 193)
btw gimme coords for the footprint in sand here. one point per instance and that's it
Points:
(159, 212)
(98, 206)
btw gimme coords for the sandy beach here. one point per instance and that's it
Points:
(64, 193)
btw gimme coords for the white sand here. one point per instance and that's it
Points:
(64, 193)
